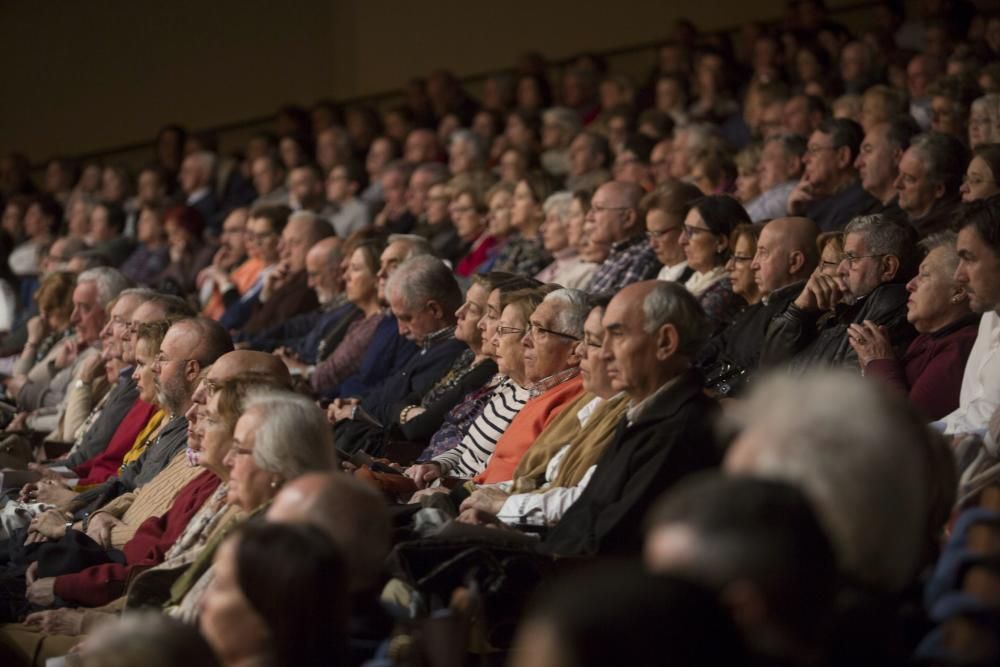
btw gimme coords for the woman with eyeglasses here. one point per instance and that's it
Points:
(982, 178)
(705, 239)
(666, 208)
(744, 244)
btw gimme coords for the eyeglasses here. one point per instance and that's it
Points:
(503, 331)
(547, 332)
(597, 208)
(813, 150)
(741, 259)
(655, 234)
(853, 259)
(259, 238)
(694, 231)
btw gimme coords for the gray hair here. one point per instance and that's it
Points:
(425, 278)
(472, 140)
(948, 240)
(860, 453)
(558, 203)
(110, 283)
(437, 171)
(793, 145)
(990, 105)
(671, 303)
(576, 306)
(888, 236)
(944, 157)
(205, 161)
(565, 117)
(418, 245)
(294, 436)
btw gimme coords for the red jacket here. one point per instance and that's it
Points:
(106, 464)
(101, 584)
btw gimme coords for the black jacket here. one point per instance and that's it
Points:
(802, 339)
(672, 438)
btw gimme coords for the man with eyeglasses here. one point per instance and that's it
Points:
(240, 291)
(880, 256)
(786, 256)
(829, 191)
(614, 212)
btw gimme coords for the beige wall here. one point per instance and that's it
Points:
(88, 76)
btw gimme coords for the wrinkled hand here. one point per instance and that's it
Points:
(341, 409)
(41, 593)
(870, 341)
(67, 353)
(275, 280)
(486, 499)
(822, 292)
(423, 474)
(19, 421)
(54, 493)
(800, 197)
(100, 526)
(68, 622)
(478, 517)
(49, 525)
(93, 368)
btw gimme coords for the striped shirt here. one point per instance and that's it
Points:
(469, 458)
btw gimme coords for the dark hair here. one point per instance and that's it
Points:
(51, 209)
(626, 626)
(984, 216)
(295, 579)
(844, 132)
(276, 215)
(372, 251)
(990, 154)
(944, 157)
(759, 530)
(902, 129)
(599, 144)
(673, 198)
(721, 214)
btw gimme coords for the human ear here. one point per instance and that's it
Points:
(667, 342)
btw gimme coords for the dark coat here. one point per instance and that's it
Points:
(671, 439)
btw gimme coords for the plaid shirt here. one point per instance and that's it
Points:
(630, 261)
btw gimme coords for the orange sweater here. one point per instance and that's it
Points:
(243, 278)
(524, 429)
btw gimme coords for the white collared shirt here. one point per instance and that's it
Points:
(980, 393)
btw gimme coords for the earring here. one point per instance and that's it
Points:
(274, 484)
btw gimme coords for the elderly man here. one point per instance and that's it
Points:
(878, 159)
(652, 331)
(286, 291)
(560, 126)
(880, 256)
(423, 296)
(589, 156)
(863, 457)
(614, 212)
(195, 180)
(297, 339)
(930, 174)
(778, 173)
(757, 542)
(786, 257)
(388, 351)
(979, 272)
(47, 383)
(829, 191)
(231, 273)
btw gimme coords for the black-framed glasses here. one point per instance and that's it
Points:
(694, 231)
(741, 259)
(549, 332)
(655, 234)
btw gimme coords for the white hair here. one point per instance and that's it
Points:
(294, 436)
(860, 453)
(574, 308)
(558, 203)
(110, 283)
(671, 303)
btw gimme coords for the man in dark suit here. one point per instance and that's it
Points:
(653, 330)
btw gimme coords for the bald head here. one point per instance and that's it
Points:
(352, 514)
(786, 253)
(327, 252)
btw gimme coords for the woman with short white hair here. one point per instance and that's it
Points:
(561, 240)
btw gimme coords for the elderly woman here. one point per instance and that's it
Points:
(500, 204)
(744, 243)
(984, 121)
(468, 214)
(279, 597)
(568, 268)
(831, 252)
(982, 178)
(666, 208)
(555, 471)
(469, 457)
(524, 253)
(705, 239)
(932, 367)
